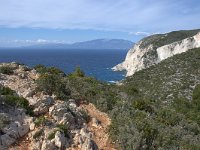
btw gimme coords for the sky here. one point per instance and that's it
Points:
(68, 21)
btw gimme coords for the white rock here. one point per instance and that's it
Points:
(32, 126)
(178, 47)
(48, 145)
(135, 60)
(95, 122)
(59, 139)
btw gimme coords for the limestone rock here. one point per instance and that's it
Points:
(48, 145)
(144, 55)
(95, 122)
(60, 140)
(43, 105)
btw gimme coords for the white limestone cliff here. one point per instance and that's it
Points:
(178, 47)
(139, 58)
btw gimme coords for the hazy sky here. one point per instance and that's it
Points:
(80, 20)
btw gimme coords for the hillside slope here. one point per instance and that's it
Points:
(156, 108)
(160, 108)
(34, 118)
(175, 77)
(155, 48)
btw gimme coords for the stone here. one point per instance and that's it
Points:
(48, 145)
(95, 122)
(29, 93)
(32, 126)
(23, 129)
(89, 145)
(6, 140)
(43, 105)
(60, 139)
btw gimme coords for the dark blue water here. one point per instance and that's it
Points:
(95, 63)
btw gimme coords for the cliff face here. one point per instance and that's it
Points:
(178, 47)
(154, 49)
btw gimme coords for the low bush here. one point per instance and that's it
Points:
(85, 115)
(64, 129)
(40, 121)
(48, 70)
(52, 135)
(19, 102)
(6, 70)
(6, 91)
(38, 134)
(78, 72)
(3, 121)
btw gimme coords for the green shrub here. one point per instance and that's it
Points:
(85, 115)
(78, 72)
(47, 83)
(143, 104)
(40, 121)
(6, 91)
(19, 102)
(48, 70)
(38, 134)
(52, 135)
(6, 70)
(53, 84)
(64, 129)
(3, 121)
(196, 97)
(62, 90)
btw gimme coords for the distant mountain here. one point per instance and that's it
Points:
(93, 44)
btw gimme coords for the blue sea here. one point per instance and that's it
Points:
(95, 63)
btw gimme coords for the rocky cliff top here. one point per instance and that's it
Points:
(35, 120)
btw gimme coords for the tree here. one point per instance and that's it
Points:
(78, 72)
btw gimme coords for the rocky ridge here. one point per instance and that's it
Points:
(148, 52)
(56, 124)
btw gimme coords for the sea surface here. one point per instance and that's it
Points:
(95, 63)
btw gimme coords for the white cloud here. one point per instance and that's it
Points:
(120, 15)
(140, 33)
(19, 43)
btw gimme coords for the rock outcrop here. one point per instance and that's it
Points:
(149, 51)
(56, 124)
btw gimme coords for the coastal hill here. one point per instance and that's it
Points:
(36, 114)
(93, 44)
(155, 108)
(154, 49)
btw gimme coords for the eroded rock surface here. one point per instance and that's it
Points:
(146, 53)
(56, 124)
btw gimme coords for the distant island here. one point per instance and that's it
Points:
(93, 44)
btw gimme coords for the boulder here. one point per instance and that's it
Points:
(42, 106)
(6, 140)
(89, 145)
(48, 145)
(95, 122)
(60, 140)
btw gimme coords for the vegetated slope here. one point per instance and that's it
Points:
(161, 110)
(159, 40)
(40, 105)
(156, 108)
(175, 77)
